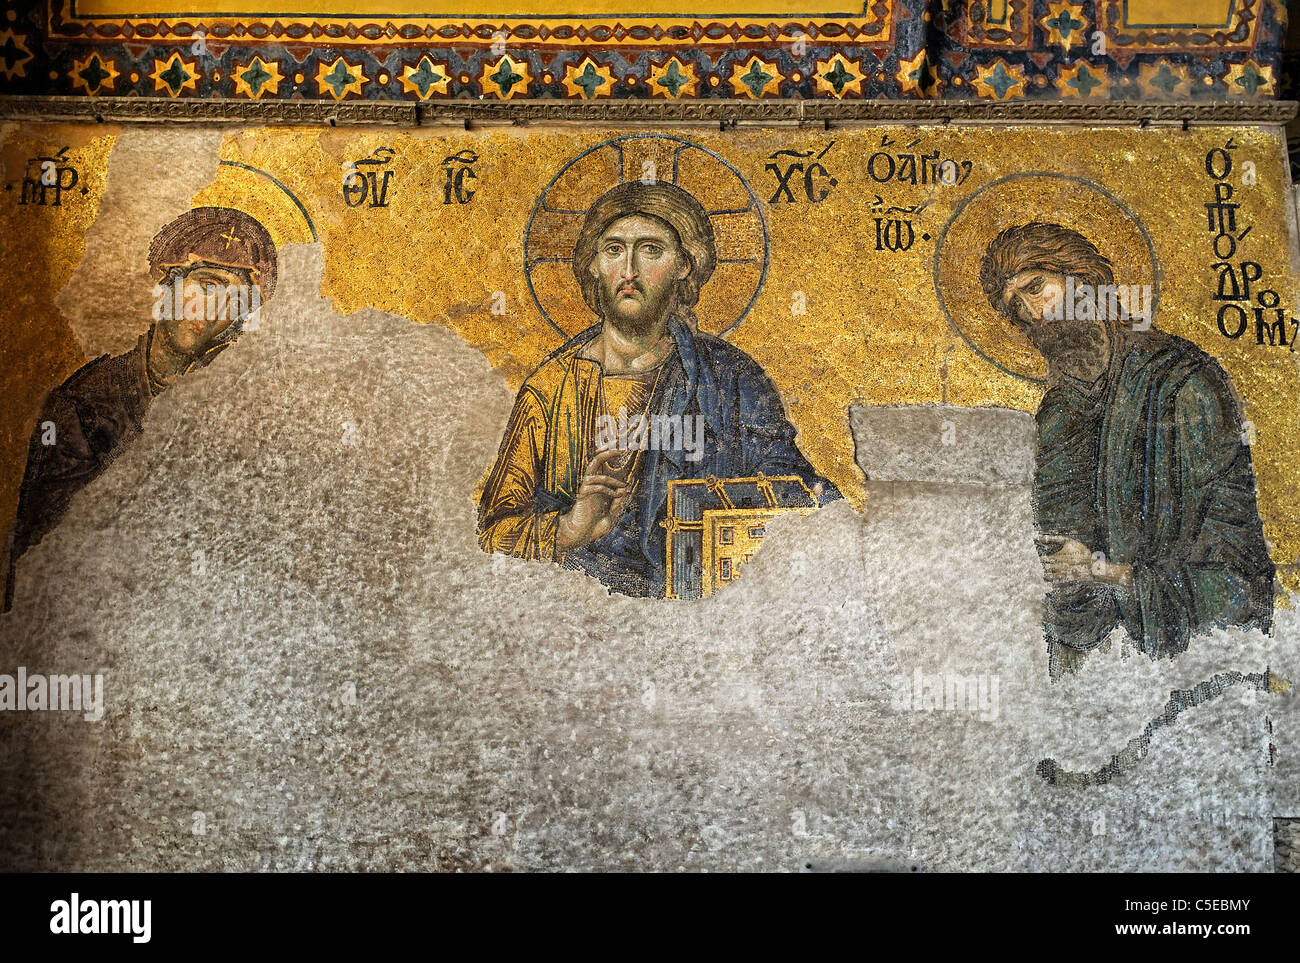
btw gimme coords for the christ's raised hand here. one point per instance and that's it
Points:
(601, 498)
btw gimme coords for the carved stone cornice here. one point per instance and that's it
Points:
(128, 110)
(724, 113)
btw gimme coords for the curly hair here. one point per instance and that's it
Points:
(1040, 246)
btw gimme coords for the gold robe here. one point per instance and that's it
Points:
(547, 445)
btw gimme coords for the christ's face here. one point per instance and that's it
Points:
(638, 263)
(1033, 302)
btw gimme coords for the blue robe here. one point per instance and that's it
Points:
(745, 432)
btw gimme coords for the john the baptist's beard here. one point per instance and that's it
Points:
(1067, 343)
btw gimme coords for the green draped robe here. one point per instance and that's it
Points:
(1149, 466)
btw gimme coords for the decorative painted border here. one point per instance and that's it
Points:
(1049, 50)
(873, 25)
(853, 73)
(1238, 34)
(339, 59)
(1076, 56)
(978, 30)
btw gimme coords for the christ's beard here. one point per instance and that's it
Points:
(649, 313)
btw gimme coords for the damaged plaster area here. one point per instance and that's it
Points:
(150, 179)
(309, 664)
(306, 653)
(957, 582)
